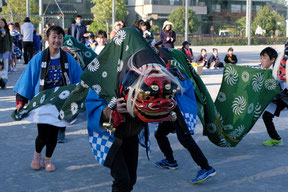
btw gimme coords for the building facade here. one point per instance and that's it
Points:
(70, 9)
(157, 11)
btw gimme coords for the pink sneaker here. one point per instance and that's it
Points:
(35, 163)
(48, 165)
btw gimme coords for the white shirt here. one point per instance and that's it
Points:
(98, 49)
(27, 31)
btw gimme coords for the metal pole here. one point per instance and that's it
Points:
(186, 20)
(286, 19)
(248, 20)
(41, 24)
(28, 8)
(113, 13)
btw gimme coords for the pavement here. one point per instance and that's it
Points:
(247, 167)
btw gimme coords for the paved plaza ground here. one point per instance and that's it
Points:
(244, 168)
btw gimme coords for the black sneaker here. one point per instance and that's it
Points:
(164, 163)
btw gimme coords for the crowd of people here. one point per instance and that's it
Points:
(14, 38)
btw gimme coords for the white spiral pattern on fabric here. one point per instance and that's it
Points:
(239, 105)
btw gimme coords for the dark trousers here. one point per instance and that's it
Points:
(28, 51)
(3, 83)
(47, 136)
(268, 119)
(184, 137)
(124, 167)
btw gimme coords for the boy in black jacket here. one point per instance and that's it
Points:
(214, 61)
(230, 58)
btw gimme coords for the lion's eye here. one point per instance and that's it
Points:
(155, 87)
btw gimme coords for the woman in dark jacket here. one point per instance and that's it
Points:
(167, 35)
(5, 52)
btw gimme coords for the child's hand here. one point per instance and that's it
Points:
(121, 105)
(168, 38)
(172, 39)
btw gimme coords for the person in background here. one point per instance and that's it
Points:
(79, 29)
(202, 59)
(187, 51)
(214, 61)
(16, 51)
(36, 42)
(147, 34)
(167, 35)
(101, 39)
(17, 27)
(117, 26)
(5, 52)
(27, 33)
(91, 42)
(230, 58)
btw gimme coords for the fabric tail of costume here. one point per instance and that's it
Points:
(243, 96)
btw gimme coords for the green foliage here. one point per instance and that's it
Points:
(102, 11)
(155, 29)
(242, 25)
(177, 17)
(18, 9)
(268, 20)
(96, 26)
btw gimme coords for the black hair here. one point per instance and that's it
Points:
(203, 50)
(122, 23)
(91, 36)
(57, 29)
(214, 49)
(27, 19)
(101, 33)
(230, 49)
(79, 16)
(272, 53)
(6, 26)
(148, 25)
(138, 23)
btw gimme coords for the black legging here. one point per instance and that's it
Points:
(124, 166)
(47, 136)
(28, 51)
(184, 137)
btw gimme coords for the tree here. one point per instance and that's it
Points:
(242, 26)
(268, 20)
(102, 11)
(178, 19)
(18, 11)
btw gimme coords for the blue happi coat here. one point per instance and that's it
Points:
(29, 82)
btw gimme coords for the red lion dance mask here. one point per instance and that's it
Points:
(150, 96)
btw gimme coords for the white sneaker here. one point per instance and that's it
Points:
(14, 69)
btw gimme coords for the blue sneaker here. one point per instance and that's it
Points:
(165, 164)
(203, 175)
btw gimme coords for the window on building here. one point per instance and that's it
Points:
(76, 1)
(243, 8)
(216, 8)
(235, 8)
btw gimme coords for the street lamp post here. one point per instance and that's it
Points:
(41, 24)
(113, 12)
(248, 20)
(186, 20)
(28, 8)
